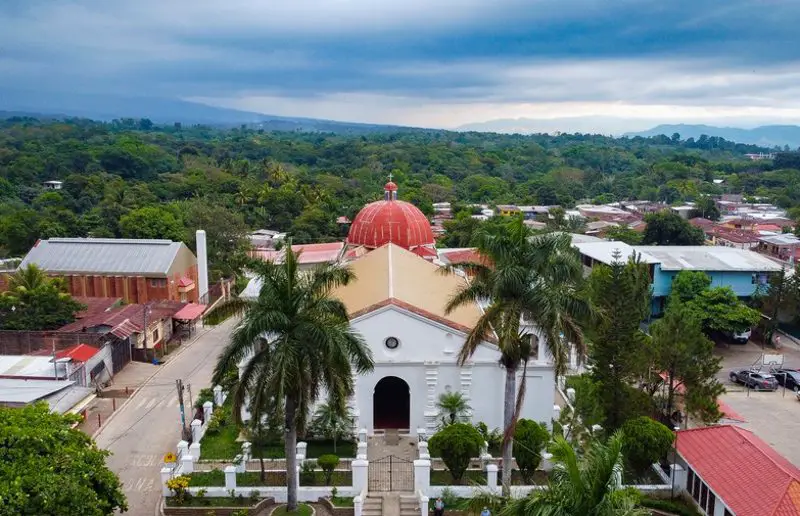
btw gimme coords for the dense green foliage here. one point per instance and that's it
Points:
(669, 228)
(530, 439)
(327, 464)
(47, 467)
(300, 182)
(36, 302)
(456, 444)
(646, 442)
(452, 406)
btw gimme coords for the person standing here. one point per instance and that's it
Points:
(438, 507)
(485, 512)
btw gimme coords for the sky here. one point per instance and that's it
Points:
(431, 63)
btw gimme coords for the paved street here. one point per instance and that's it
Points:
(148, 426)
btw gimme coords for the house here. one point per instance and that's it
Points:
(138, 271)
(53, 185)
(741, 238)
(311, 255)
(59, 381)
(684, 211)
(740, 269)
(532, 212)
(785, 247)
(268, 238)
(507, 210)
(729, 471)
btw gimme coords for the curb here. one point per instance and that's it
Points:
(145, 382)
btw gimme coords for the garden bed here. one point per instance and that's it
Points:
(302, 510)
(222, 506)
(442, 477)
(216, 478)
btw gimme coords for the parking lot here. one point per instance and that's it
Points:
(773, 416)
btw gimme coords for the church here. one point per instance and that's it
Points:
(397, 303)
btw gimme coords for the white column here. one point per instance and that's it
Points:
(541, 350)
(423, 450)
(359, 467)
(187, 464)
(194, 450)
(358, 506)
(166, 474)
(362, 435)
(422, 475)
(361, 453)
(208, 409)
(196, 424)
(247, 450)
(491, 477)
(239, 463)
(202, 265)
(423, 505)
(183, 448)
(230, 478)
(301, 449)
(218, 395)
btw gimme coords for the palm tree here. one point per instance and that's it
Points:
(334, 422)
(537, 277)
(299, 341)
(591, 486)
(28, 278)
(453, 407)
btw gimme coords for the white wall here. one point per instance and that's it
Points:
(426, 360)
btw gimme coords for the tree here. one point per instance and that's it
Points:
(36, 302)
(456, 444)
(299, 341)
(328, 463)
(530, 438)
(226, 235)
(706, 207)
(538, 277)
(668, 228)
(460, 231)
(621, 293)
(720, 311)
(687, 285)
(333, 421)
(624, 234)
(680, 351)
(779, 299)
(646, 442)
(151, 222)
(47, 467)
(591, 485)
(453, 407)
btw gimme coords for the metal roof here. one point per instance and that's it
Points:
(708, 258)
(104, 256)
(604, 252)
(787, 239)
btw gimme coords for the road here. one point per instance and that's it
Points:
(148, 426)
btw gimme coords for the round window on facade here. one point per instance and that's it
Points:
(392, 343)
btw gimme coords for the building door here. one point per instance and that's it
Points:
(391, 404)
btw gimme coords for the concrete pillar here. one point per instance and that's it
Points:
(423, 449)
(422, 434)
(183, 448)
(208, 409)
(247, 450)
(218, 395)
(556, 412)
(196, 430)
(187, 464)
(484, 449)
(166, 474)
(358, 506)
(361, 453)
(239, 463)
(547, 461)
(491, 476)
(422, 475)
(362, 435)
(301, 450)
(571, 395)
(230, 478)
(297, 476)
(423, 505)
(677, 475)
(194, 450)
(359, 467)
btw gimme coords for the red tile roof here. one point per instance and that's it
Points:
(134, 314)
(310, 253)
(81, 352)
(702, 223)
(464, 256)
(190, 312)
(740, 236)
(96, 305)
(185, 282)
(751, 478)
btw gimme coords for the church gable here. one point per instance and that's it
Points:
(418, 339)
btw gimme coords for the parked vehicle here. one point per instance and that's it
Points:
(755, 379)
(738, 338)
(789, 378)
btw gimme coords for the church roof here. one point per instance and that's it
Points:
(393, 275)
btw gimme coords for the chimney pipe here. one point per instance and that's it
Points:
(202, 266)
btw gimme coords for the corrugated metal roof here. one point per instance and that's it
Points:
(708, 258)
(104, 256)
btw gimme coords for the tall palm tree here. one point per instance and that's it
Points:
(28, 278)
(452, 407)
(591, 486)
(299, 341)
(537, 277)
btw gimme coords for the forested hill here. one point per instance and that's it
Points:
(131, 178)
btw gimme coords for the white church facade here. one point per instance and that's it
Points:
(397, 304)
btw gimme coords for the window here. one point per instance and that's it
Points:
(703, 495)
(158, 282)
(728, 513)
(712, 501)
(155, 335)
(391, 343)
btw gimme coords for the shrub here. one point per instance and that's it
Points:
(307, 472)
(492, 437)
(201, 495)
(672, 506)
(179, 486)
(530, 438)
(206, 394)
(645, 441)
(456, 444)
(328, 463)
(254, 494)
(219, 418)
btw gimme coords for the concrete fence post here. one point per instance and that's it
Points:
(187, 464)
(301, 449)
(239, 463)
(491, 477)
(208, 409)
(360, 468)
(298, 477)
(556, 412)
(218, 400)
(423, 505)
(166, 474)
(247, 450)
(362, 451)
(422, 449)
(422, 435)
(422, 475)
(362, 435)
(194, 450)
(183, 448)
(358, 506)
(230, 478)
(547, 461)
(197, 432)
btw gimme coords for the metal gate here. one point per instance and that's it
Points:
(120, 353)
(391, 473)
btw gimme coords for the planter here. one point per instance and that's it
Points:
(218, 510)
(335, 510)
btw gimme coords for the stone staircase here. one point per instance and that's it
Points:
(373, 506)
(409, 506)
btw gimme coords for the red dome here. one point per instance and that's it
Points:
(390, 187)
(398, 222)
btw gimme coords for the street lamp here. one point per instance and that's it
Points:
(674, 462)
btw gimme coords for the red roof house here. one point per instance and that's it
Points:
(730, 467)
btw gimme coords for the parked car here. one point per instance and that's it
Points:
(738, 338)
(789, 377)
(754, 379)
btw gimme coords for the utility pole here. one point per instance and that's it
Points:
(179, 385)
(191, 403)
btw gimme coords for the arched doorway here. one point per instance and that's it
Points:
(391, 404)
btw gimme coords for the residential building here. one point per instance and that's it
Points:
(268, 238)
(741, 238)
(60, 381)
(785, 247)
(729, 471)
(138, 271)
(740, 269)
(507, 210)
(53, 185)
(311, 255)
(534, 212)
(684, 211)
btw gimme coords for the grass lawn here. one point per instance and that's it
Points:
(302, 510)
(216, 478)
(442, 477)
(340, 501)
(221, 445)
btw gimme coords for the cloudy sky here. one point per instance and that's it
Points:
(434, 63)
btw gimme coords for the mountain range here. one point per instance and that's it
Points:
(764, 136)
